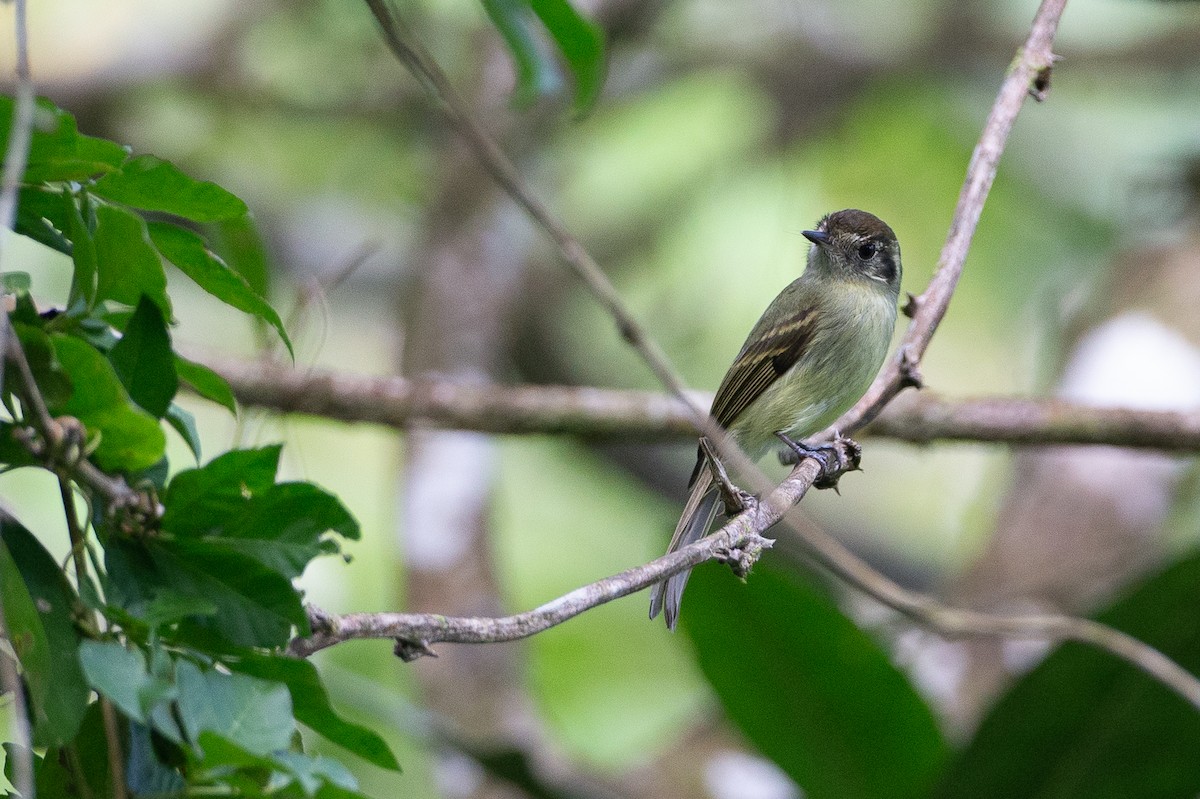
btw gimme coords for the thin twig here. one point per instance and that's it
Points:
(593, 412)
(410, 53)
(1028, 75)
(952, 622)
(740, 542)
(113, 490)
(74, 532)
(112, 738)
(16, 156)
(32, 403)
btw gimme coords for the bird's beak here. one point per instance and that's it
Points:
(816, 236)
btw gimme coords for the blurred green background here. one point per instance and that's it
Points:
(724, 129)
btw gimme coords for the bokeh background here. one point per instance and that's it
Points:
(724, 129)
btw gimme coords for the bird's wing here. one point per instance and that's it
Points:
(763, 359)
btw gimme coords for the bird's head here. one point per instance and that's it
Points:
(856, 245)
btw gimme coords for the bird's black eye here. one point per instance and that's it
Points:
(867, 251)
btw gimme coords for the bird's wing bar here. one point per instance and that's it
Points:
(761, 362)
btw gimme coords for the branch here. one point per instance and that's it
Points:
(435, 83)
(1029, 74)
(953, 622)
(924, 418)
(16, 156)
(592, 412)
(739, 542)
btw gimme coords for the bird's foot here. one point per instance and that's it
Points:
(836, 457)
(741, 557)
(736, 500)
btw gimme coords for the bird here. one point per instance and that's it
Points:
(811, 355)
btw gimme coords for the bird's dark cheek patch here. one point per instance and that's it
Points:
(886, 268)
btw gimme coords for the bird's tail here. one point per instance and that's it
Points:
(697, 517)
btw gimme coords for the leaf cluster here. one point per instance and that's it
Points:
(177, 617)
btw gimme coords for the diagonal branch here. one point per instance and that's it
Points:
(592, 412)
(739, 542)
(1029, 74)
(409, 51)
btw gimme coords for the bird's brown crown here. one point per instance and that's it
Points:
(853, 222)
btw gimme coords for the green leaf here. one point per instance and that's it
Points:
(255, 714)
(119, 674)
(25, 312)
(188, 251)
(57, 150)
(54, 601)
(1084, 723)
(311, 705)
(255, 606)
(27, 635)
(811, 690)
(83, 255)
(12, 452)
(313, 773)
(199, 501)
(184, 423)
(283, 526)
(289, 774)
(130, 438)
(239, 244)
(153, 184)
(144, 362)
(206, 383)
(145, 772)
(582, 44)
(12, 282)
(280, 525)
(88, 774)
(143, 693)
(536, 74)
(170, 607)
(580, 41)
(127, 263)
(44, 215)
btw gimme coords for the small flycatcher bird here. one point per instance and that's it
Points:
(813, 353)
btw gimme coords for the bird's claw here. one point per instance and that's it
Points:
(836, 458)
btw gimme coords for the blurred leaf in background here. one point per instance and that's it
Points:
(810, 689)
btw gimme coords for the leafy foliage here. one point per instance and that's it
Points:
(1085, 724)
(198, 598)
